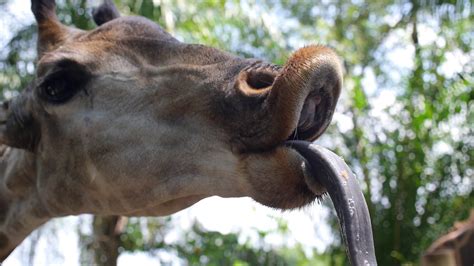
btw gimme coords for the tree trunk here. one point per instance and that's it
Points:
(106, 243)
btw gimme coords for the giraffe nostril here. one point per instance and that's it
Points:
(260, 79)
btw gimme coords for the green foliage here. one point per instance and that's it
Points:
(415, 160)
(202, 247)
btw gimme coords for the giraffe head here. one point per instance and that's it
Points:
(125, 119)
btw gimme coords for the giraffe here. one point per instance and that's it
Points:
(127, 120)
(453, 248)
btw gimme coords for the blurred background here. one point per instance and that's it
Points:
(404, 123)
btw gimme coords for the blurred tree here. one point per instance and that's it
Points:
(202, 247)
(405, 119)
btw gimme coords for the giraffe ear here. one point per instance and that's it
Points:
(51, 33)
(106, 12)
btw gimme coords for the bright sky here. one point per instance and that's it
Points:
(307, 226)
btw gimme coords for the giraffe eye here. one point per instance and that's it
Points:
(57, 90)
(61, 85)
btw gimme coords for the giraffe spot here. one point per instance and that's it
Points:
(3, 241)
(3, 211)
(68, 195)
(40, 211)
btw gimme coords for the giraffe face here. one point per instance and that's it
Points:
(127, 120)
(126, 111)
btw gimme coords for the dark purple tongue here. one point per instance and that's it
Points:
(332, 172)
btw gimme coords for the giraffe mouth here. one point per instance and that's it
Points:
(314, 118)
(317, 109)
